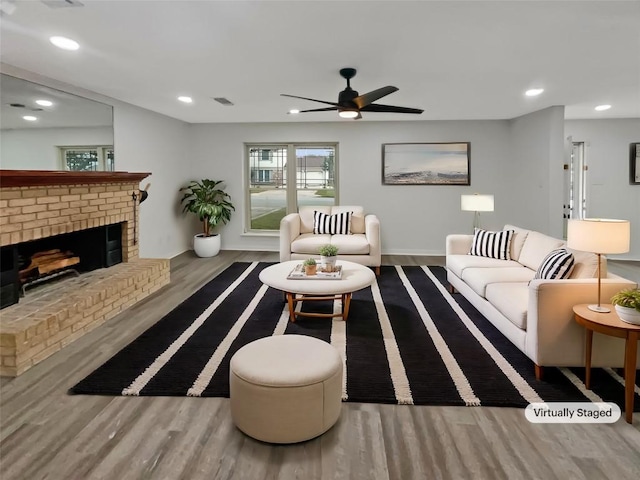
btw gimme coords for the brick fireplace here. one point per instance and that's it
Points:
(36, 205)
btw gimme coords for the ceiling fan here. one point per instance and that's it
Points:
(350, 103)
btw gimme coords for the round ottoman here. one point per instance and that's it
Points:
(285, 388)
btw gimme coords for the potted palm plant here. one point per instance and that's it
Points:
(627, 305)
(212, 205)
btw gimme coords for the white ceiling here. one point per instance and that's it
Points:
(454, 59)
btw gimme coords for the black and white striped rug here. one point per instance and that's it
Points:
(407, 341)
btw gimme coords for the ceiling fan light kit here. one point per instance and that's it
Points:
(348, 113)
(350, 103)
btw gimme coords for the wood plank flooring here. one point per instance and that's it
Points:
(47, 434)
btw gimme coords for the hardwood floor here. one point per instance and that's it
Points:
(47, 434)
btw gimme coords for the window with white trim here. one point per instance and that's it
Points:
(87, 158)
(270, 196)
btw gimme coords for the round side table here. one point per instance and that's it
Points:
(610, 324)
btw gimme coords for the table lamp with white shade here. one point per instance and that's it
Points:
(599, 235)
(476, 203)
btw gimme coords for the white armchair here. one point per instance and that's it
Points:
(362, 245)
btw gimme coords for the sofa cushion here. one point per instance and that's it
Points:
(306, 216)
(355, 244)
(557, 265)
(332, 224)
(458, 263)
(586, 265)
(511, 300)
(492, 244)
(309, 243)
(357, 216)
(536, 247)
(479, 278)
(517, 240)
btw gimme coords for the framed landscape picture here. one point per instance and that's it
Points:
(634, 164)
(426, 163)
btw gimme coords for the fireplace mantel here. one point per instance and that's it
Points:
(30, 178)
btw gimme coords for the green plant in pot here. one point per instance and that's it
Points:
(328, 255)
(310, 266)
(627, 305)
(212, 205)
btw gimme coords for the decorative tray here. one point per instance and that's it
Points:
(298, 274)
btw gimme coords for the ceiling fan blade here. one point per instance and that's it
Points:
(312, 99)
(358, 117)
(369, 98)
(390, 109)
(319, 109)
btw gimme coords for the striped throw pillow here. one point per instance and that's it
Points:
(492, 244)
(558, 264)
(340, 223)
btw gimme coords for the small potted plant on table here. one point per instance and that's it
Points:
(627, 305)
(310, 266)
(328, 254)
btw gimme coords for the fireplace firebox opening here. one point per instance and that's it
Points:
(30, 263)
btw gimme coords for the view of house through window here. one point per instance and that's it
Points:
(271, 196)
(87, 158)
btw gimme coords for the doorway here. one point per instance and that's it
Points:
(575, 203)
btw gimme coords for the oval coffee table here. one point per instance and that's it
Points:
(354, 277)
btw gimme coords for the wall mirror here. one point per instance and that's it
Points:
(42, 128)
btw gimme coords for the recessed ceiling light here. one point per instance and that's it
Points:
(534, 92)
(65, 43)
(600, 108)
(294, 111)
(44, 103)
(30, 118)
(185, 99)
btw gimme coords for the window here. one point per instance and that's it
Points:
(270, 196)
(87, 158)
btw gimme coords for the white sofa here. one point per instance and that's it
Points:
(536, 315)
(362, 245)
